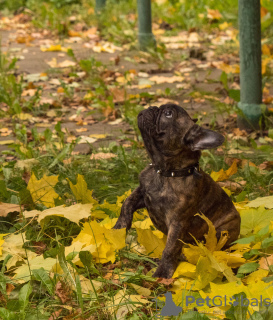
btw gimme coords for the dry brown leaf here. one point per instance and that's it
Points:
(238, 132)
(118, 94)
(164, 281)
(265, 262)
(264, 11)
(232, 186)
(6, 208)
(267, 97)
(102, 155)
(63, 292)
(73, 33)
(213, 14)
(55, 314)
(246, 162)
(29, 92)
(267, 165)
(163, 79)
(81, 130)
(60, 90)
(24, 39)
(66, 63)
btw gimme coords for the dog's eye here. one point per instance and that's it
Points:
(168, 113)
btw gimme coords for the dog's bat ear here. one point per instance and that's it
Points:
(198, 138)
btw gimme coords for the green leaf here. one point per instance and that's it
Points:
(24, 296)
(245, 240)
(3, 282)
(235, 95)
(248, 267)
(239, 309)
(241, 196)
(256, 316)
(267, 243)
(224, 80)
(270, 133)
(42, 275)
(86, 258)
(251, 253)
(7, 315)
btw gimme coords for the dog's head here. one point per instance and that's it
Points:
(169, 130)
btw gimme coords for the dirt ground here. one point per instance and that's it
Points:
(33, 61)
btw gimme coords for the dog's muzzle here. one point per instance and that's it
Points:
(147, 119)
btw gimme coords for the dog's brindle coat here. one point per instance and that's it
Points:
(173, 142)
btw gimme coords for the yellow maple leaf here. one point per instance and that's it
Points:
(74, 213)
(1, 242)
(254, 219)
(113, 207)
(56, 47)
(224, 175)
(152, 244)
(266, 202)
(43, 190)
(105, 240)
(123, 303)
(265, 62)
(81, 192)
(108, 223)
(192, 253)
(181, 287)
(98, 136)
(256, 276)
(205, 273)
(224, 25)
(141, 290)
(266, 50)
(227, 68)
(211, 240)
(144, 224)
(88, 285)
(122, 198)
(218, 292)
(185, 269)
(231, 259)
(23, 272)
(13, 245)
(215, 261)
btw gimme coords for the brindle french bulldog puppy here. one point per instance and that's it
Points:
(173, 188)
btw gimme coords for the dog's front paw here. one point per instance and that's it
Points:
(163, 271)
(121, 224)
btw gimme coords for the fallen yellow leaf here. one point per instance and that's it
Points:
(43, 190)
(74, 213)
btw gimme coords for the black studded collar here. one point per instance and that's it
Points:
(193, 169)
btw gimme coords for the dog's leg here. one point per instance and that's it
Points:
(171, 253)
(134, 202)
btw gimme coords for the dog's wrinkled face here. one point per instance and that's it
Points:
(170, 130)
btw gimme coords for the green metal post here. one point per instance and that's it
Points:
(100, 4)
(145, 36)
(250, 64)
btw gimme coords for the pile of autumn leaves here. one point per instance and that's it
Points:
(207, 272)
